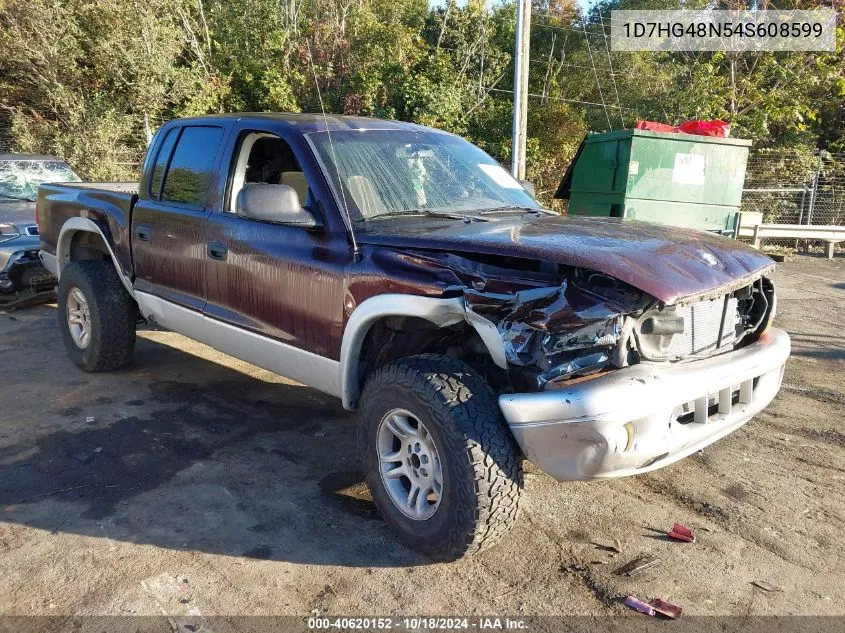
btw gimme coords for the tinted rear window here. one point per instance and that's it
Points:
(161, 161)
(191, 168)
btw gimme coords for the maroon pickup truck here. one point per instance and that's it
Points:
(402, 270)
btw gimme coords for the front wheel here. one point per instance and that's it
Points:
(440, 462)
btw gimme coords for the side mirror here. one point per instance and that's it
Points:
(528, 186)
(278, 204)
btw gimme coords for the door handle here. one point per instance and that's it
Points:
(217, 251)
(143, 233)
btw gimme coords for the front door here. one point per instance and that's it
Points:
(276, 289)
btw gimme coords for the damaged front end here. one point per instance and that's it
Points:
(596, 377)
(565, 324)
(607, 381)
(556, 333)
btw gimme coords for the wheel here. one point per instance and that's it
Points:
(96, 316)
(440, 462)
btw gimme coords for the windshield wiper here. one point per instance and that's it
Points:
(425, 212)
(514, 207)
(8, 197)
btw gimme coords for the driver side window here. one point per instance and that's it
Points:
(266, 158)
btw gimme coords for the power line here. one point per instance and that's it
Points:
(601, 69)
(596, 75)
(579, 31)
(613, 79)
(589, 103)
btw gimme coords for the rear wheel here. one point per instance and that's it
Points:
(440, 462)
(96, 316)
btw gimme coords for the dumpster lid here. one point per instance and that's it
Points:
(565, 186)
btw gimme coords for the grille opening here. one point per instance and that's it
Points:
(712, 407)
(686, 413)
(32, 230)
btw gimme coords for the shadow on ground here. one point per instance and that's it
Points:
(202, 457)
(829, 347)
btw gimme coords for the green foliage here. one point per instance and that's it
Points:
(80, 78)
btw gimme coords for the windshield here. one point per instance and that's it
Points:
(19, 179)
(384, 173)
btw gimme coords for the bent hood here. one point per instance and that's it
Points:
(669, 263)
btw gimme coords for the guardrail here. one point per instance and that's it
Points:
(751, 225)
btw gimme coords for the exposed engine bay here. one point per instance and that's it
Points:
(561, 323)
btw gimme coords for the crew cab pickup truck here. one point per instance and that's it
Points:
(402, 270)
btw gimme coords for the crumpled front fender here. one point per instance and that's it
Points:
(441, 312)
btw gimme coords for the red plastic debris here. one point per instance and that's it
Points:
(700, 128)
(665, 608)
(638, 605)
(654, 126)
(681, 533)
(706, 128)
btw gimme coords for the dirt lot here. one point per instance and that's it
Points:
(193, 484)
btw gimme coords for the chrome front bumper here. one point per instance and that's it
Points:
(631, 421)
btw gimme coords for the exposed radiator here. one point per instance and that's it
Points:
(701, 328)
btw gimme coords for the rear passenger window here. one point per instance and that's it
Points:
(191, 168)
(161, 161)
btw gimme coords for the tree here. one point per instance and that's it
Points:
(81, 78)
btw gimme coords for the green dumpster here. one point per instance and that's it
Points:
(678, 179)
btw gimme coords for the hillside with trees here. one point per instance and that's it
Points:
(88, 79)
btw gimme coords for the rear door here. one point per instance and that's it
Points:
(169, 220)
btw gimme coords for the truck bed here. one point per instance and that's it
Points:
(108, 204)
(117, 187)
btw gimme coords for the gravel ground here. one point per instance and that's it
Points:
(193, 484)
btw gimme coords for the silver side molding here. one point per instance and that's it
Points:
(291, 362)
(329, 376)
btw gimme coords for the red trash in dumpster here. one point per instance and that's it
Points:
(697, 127)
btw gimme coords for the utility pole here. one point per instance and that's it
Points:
(520, 88)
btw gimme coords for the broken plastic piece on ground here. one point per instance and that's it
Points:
(25, 299)
(665, 608)
(766, 586)
(609, 546)
(638, 605)
(638, 565)
(681, 533)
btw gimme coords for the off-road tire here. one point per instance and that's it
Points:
(113, 315)
(481, 462)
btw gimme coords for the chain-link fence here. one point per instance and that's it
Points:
(792, 187)
(829, 203)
